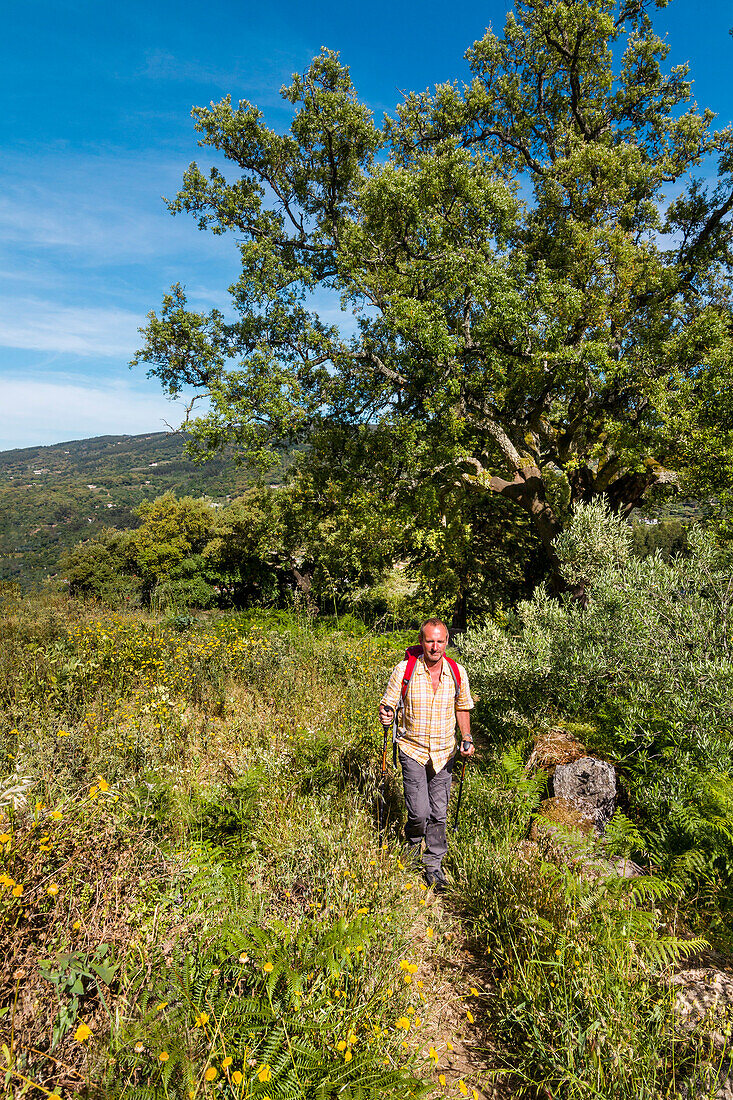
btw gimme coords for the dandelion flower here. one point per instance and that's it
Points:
(441, 1079)
(82, 1033)
(225, 1063)
(202, 1018)
(243, 959)
(76, 926)
(237, 1077)
(341, 1046)
(417, 1022)
(163, 1056)
(52, 889)
(407, 979)
(5, 838)
(348, 1055)
(56, 815)
(53, 1096)
(17, 891)
(264, 1073)
(432, 1053)
(352, 1039)
(210, 1074)
(403, 1023)
(429, 933)
(103, 784)
(449, 1044)
(268, 968)
(411, 1011)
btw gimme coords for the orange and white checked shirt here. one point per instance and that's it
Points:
(427, 729)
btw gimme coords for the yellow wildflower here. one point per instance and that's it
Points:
(52, 889)
(407, 979)
(268, 968)
(441, 1079)
(17, 891)
(403, 1023)
(202, 1018)
(352, 1039)
(469, 1015)
(474, 991)
(225, 1063)
(56, 815)
(76, 926)
(5, 838)
(463, 1088)
(348, 1055)
(449, 1044)
(237, 1077)
(210, 1074)
(432, 1053)
(163, 1056)
(341, 1046)
(139, 1048)
(103, 784)
(264, 1073)
(82, 1033)
(160, 1006)
(429, 933)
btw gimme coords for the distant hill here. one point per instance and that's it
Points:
(51, 497)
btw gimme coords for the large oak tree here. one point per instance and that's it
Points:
(538, 290)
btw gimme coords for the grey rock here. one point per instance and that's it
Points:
(588, 783)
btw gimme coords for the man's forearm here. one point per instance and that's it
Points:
(463, 717)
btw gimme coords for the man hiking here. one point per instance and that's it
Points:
(433, 698)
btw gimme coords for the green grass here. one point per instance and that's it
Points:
(189, 815)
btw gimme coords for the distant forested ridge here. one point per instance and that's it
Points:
(52, 497)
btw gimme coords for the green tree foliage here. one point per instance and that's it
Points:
(97, 568)
(538, 289)
(172, 532)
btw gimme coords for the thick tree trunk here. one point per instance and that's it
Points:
(527, 489)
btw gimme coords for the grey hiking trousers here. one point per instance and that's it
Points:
(426, 797)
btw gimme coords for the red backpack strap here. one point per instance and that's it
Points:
(411, 659)
(455, 673)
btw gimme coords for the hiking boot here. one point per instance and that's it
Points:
(436, 879)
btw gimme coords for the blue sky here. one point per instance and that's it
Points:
(96, 127)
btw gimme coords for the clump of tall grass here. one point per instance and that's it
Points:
(199, 802)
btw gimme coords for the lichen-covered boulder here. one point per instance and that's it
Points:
(589, 784)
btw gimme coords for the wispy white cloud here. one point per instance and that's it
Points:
(39, 325)
(41, 412)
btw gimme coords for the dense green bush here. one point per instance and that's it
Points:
(648, 663)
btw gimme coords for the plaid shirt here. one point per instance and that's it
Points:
(428, 729)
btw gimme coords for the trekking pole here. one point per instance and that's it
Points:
(383, 786)
(464, 746)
